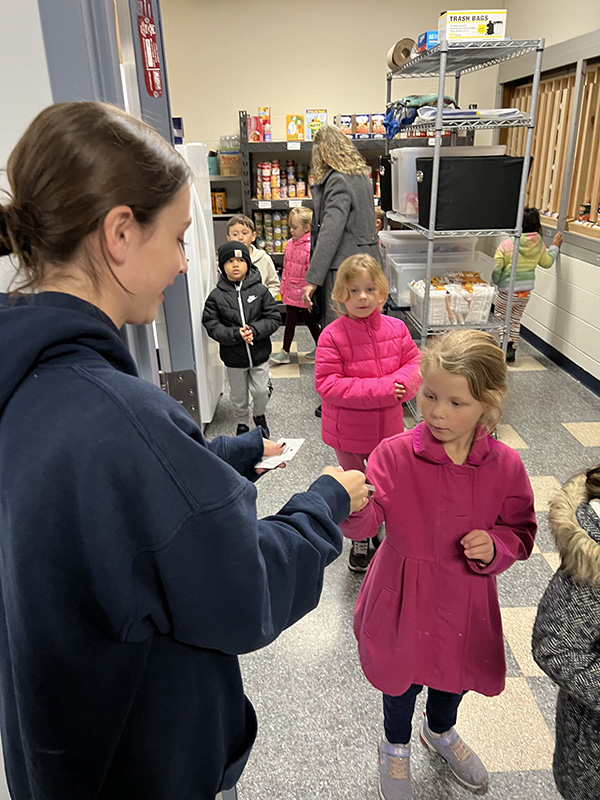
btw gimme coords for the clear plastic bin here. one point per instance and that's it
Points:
(413, 244)
(404, 172)
(403, 269)
(455, 306)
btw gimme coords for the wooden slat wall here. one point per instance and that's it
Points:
(555, 102)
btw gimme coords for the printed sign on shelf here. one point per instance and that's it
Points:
(150, 59)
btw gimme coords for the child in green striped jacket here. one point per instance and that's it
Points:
(532, 252)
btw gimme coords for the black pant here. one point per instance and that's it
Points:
(292, 316)
(442, 708)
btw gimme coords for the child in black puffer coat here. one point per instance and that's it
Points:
(566, 636)
(241, 315)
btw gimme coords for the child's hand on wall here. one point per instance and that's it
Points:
(557, 239)
(479, 546)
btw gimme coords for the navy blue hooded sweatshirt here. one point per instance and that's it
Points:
(133, 570)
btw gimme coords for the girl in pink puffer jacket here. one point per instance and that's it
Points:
(366, 366)
(296, 261)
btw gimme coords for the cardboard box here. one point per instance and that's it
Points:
(315, 119)
(347, 124)
(294, 127)
(426, 41)
(362, 128)
(472, 25)
(378, 130)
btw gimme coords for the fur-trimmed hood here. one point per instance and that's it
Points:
(579, 547)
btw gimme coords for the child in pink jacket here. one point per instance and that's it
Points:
(366, 365)
(296, 261)
(458, 511)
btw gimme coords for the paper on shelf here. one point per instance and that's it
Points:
(290, 448)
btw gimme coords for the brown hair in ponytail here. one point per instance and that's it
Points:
(73, 164)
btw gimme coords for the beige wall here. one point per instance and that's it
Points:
(554, 20)
(223, 57)
(227, 56)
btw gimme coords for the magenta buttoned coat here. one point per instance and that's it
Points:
(357, 364)
(426, 614)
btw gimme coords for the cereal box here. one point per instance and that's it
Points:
(377, 127)
(363, 126)
(346, 124)
(294, 126)
(315, 119)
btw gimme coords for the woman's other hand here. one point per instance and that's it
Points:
(307, 293)
(353, 482)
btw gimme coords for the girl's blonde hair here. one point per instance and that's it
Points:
(349, 271)
(476, 356)
(332, 149)
(301, 213)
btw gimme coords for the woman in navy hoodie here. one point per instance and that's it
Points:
(133, 568)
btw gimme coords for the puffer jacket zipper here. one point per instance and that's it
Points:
(373, 338)
(238, 288)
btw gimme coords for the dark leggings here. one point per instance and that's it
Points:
(292, 317)
(442, 708)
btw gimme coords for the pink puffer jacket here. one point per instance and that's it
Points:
(296, 261)
(358, 362)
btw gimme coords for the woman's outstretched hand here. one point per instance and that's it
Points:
(353, 482)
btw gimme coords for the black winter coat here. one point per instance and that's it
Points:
(566, 642)
(229, 307)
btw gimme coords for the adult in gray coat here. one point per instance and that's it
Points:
(566, 636)
(344, 213)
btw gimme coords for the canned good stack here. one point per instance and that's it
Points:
(219, 201)
(272, 231)
(275, 183)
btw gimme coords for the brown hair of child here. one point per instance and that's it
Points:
(240, 219)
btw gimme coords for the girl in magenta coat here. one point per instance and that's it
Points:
(458, 511)
(367, 365)
(295, 266)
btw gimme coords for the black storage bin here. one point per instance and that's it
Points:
(474, 193)
(385, 183)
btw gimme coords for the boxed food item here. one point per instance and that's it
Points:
(315, 119)
(294, 127)
(377, 127)
(472, 25)
(346, 124)
(264, 112)
(255, 129)
(426, 41)
(362, 129)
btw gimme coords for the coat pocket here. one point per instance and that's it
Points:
(380, 619)
(366, 239)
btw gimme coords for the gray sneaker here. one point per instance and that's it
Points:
(394, 771)
(464, 763)
(311, 356)
(280, 358)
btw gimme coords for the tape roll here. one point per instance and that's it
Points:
(400, 53)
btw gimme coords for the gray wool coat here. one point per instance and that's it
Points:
(566, 642)
(343, 224)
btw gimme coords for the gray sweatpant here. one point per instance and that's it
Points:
(242, 379)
